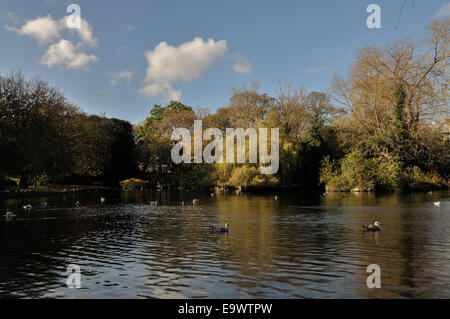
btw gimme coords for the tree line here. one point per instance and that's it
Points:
(44, 138)
(382, 126)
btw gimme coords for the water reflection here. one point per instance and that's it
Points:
(297, 246)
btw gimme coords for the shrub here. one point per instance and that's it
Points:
(133, 184)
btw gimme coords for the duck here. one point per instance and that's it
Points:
(221, 229)
(27, 206)
(376, 226)
(195, 201)
(9, 214)
(437, 204)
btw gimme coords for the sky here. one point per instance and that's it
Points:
(129, 55)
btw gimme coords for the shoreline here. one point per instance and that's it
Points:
(72, 189)
(52, 189)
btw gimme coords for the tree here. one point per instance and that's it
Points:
(34, 120)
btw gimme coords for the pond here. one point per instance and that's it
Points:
(297, 246)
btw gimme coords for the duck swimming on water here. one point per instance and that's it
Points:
(376, 226)
(9, 214)
(221, 229)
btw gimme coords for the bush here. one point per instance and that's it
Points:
(354, 171)
(389, 174)
(243, 176)
(133, 184)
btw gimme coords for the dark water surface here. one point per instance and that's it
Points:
(295, 247)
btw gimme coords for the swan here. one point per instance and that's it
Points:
(376, 226)
(221, 229)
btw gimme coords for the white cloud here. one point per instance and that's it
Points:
(444, 11)
(46, 29)
(242, 66)
(43, 29)
(168, 64)
(63, 53)
(85, 31)
(67, 55)
(117, 76)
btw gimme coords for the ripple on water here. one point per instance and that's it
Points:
(287, 249)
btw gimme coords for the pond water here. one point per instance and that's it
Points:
(299, 246)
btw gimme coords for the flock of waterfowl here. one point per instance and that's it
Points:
(375, 227)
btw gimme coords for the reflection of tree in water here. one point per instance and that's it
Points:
(317, 248)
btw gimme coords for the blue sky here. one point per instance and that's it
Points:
(120, 66)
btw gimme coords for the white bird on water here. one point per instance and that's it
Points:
(9, 214)
(437, 204)
(376, 226)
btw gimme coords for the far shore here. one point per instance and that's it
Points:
(53, 189)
